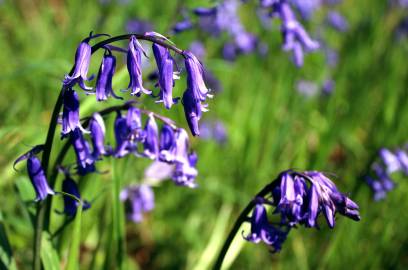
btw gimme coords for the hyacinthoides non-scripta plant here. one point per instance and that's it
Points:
(298, 198)
(170, 145)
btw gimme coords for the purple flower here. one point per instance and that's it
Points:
(70, 112)
(182, 26)
(139, 199)
(197, 48)
(164, 63)
(97, 128)
(214, 131)
(134, 66)
(85, 160)
(337, 21)
(307, 7)
(185, 172)
(390, 160)
(229, 51)
(70, 204)
(104, 79)
(138, 26)
(123, 145)
(262, 230)
(196, 92)
(403, 160)
(328, 86)
(167, 144)
(134, 125)
(82, 60)
(294, 35)
(158, 171)
(307, 88)
(151, 142)
(300, 197)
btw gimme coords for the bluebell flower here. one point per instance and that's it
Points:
(402, 157)
(381, 184)
(81, 66)
(167, 144)
(328, 86)
(123, 144)
(193, 111)
(105, 75)
(263, 230)
(295, 37)
(337, 21)
(197, 48)
(182, 26)
(307, 8)
(307, 88)
(138, 26)
(85, 160)
(97, 129)
(185, 171)
(390, 160)
(134, 125)
(301, 197)
(158, 171)
(70, 112)
(165, 63)
(134, 66)
(151, 142)
(229, 51)
(70, 204)
(213, 130)
(139, 200)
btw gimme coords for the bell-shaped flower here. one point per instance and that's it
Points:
(192, 111)
(70, 112)
(104, 79)
(122, 136)
(134, 66)
(70, 204)
(97, 129)
(85, 160)
(165, 63)
(139, 199)
(151, 142)
(167, 144)
(36, 173)
(185, 173)
(134, 124)
(262, 230)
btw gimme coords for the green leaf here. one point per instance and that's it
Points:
(6, 254)
(49, 255)
(73, 256)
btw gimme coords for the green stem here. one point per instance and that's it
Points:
(241, 219)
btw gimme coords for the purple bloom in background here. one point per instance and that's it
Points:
(295, 38)
(70, 204)
(151, 142)
(337, 21)
(402, 157)
(70, 112)
(213, 131)
(104, 79)
(134, 66)
(390, 160)
(138, 26)
(306, 7)
(307, 88)
(182, 26)
(85, 160)
(97, 129)
(38, 179)
(262, 230)
(197, 48)
(139, 199)
(82, 60)
(165, 63)
(332, 57)
(328, 87)
(229, 51)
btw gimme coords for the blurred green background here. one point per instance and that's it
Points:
(271, 127)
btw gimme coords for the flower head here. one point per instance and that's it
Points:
(85, 160)
(97, 129)
(105, 75)
(140, 199)
(70, 112)
(70, 204)
(134, 66)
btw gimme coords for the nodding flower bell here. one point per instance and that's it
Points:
(151, 142)
(185, 172)
(70, 204)
(70, 112)
(262, 230)
(104, 79)
(85, 160)
(165, 63)
(97, 129)
(134, 124)
(36, 173)
(167, 144)
(82, 60)
(140, 199)
(121, 136)
(134, 66)
(294, 35)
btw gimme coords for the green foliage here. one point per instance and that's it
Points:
(271, 127)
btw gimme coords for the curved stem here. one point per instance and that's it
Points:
(241, 219)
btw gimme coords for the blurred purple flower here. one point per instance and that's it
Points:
(307, 88)
(138, 26)
(213, 131)
(306, 8)
(328, 87)
(139, 199)
(337, 21)
(390, 160)
(182, 26)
